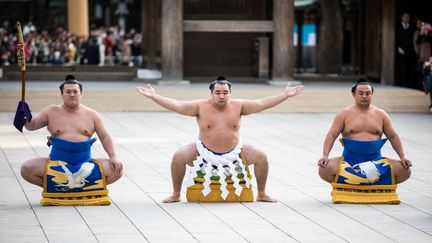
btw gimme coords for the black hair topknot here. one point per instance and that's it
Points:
(361, 81)
(219, 80)
(70, 79)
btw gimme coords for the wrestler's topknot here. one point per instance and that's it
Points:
(361, 81)
(70, 79)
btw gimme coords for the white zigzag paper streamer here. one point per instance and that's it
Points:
(218, 161)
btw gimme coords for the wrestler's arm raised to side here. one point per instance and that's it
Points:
(336, 128)
(394, 138)
(106, 141)
(187, 108)
(40, 120)
(254, 106)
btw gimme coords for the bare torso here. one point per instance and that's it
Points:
(220, 128)
(363, 124)
(76, 125)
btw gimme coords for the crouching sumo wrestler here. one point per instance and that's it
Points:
(69, 176)
(361, 174)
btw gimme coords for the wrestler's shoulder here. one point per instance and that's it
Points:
(346, 111)
(379, 111)
(200, 101)
(238, 101)
(52, 108)
(89, 110)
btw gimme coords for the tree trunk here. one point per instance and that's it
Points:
(329, 58)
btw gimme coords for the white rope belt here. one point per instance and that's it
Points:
(225, 167)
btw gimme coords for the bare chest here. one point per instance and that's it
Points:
(210, 119)
(66, 125)
(370, 124)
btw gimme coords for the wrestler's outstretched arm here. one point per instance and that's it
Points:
(187, 108)
(40, 120)
(394, 139)
(254, 106)
(333, 133)
(107, 143)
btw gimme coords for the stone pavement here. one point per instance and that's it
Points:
(145, 142)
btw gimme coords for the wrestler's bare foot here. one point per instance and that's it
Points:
(175, 197)
(263, 197)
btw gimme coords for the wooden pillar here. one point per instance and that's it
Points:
(172, 40)
(330, 38)
(283, 49)
(149, 13)
(78, 17)
(388, 42)
(299, 48)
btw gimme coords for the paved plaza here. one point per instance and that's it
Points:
(145, 139)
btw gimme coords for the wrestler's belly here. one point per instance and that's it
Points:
(73, 135)
(220, 142)
(362, 136)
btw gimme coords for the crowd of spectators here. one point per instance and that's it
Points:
(57, 46)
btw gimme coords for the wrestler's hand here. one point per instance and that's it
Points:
(115, 165)
(406, 163)
(293, 91)
(323, 161)
(146, 91)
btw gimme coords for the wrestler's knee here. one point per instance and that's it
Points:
(116, 173)
(407, 173)
(114, 176)
(183, 156)
(178, 157)
(402, 174)
(328, 173)
(323, 173)
(254, 156)
(31, 168)
(26, 170)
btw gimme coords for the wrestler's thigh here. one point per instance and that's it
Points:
(186, 154)
(253, 155)
(34, 166)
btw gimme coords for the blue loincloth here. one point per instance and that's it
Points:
(363, 175)
(72, 177)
